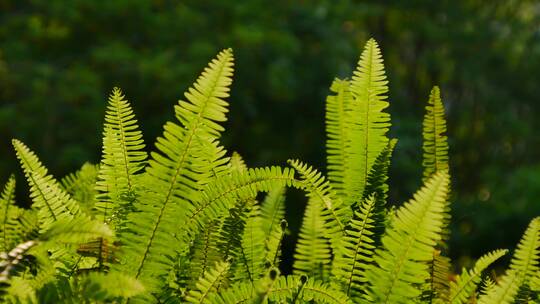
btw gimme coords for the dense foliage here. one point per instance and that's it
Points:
(186, 224)
(58, 58)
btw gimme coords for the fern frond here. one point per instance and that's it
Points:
(466, 283)
(172, 177)
(210, 282)
(122, 157)
(312, 255)
(273, 223)
(435, 144)
(205, 252)
(252, 255)
(296, 289)
(355, 254)
(237, 163)
(337, 133)
(222, 194)
(369, 123)
(230, 238)
(51, 201)
(319, 191)
(523, 267)
(438, 288)
(408, 245)
(377, 179)
(9, 213)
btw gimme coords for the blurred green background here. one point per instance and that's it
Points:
(59, 59)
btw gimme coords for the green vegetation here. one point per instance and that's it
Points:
(186, 224)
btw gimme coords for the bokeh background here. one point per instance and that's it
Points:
(59, 59)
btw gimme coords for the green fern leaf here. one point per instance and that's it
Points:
(435, 141)
(210, 282)
(338, 123)
(122, 158)
(172, 178)
(523, 267)
(465, 285)
(402, 263)
(334, 214)
(369, 123)
(51, 201)
(312, 256)
(355, 254)
(9, 213)
(252, 255)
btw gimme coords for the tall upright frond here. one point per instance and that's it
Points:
(435, 144)
(173, 176)
(408, 245)
(369, 123)
(122, 157)
(337, 133)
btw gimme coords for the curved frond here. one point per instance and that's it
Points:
(408, 244)
(524, 266)
(173, 176)
(51, 201)
(334, 214)
(466, 283)
(296, 289)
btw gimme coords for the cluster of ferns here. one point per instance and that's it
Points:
(186, 223)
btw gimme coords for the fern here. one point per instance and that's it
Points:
(357, 248)
(9, 214)
(335, 215)
(435, 145)
(51, 201)
(523, 267)
(313, 254)
(122, 158)
(408, 245)
(187, 225)
(370, 125)
(210, 282)
(465, 285)
(151, 242)
(338, 122)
